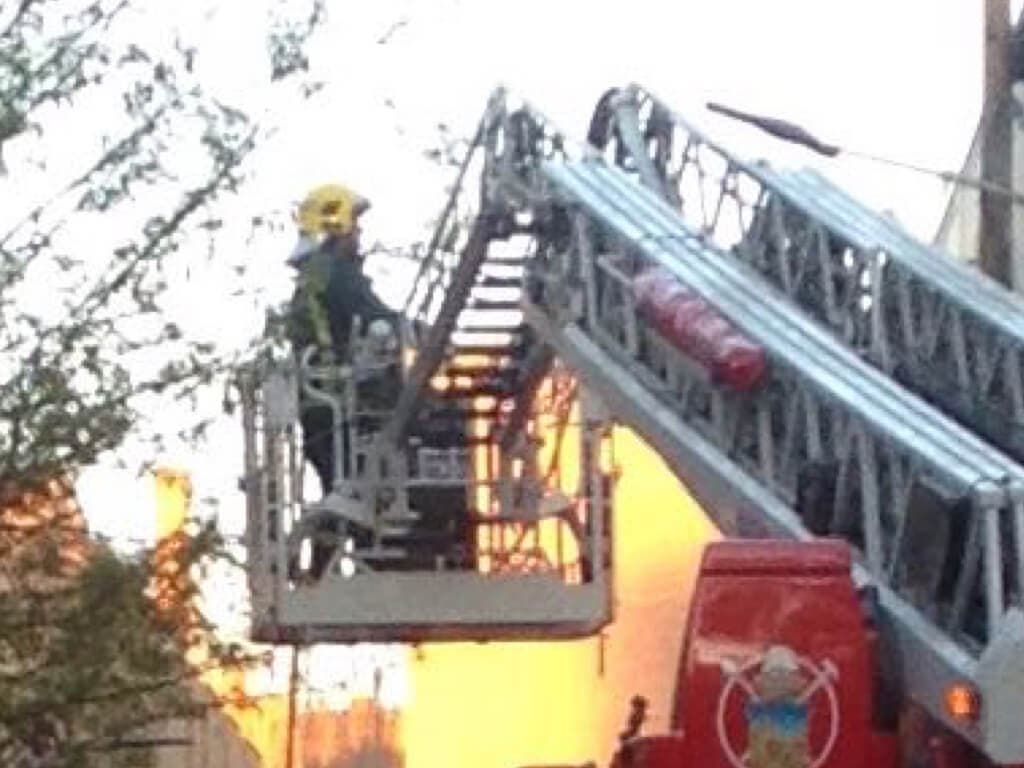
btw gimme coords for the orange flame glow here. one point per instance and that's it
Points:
(505, 705)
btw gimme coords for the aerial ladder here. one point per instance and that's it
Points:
(935, 324)
(550, 262)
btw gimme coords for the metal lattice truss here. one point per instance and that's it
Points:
(938, 326)
(830, 445)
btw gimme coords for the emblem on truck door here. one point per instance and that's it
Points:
(775, 694)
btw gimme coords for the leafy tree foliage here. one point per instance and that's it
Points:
(117, 160)
(89, 664)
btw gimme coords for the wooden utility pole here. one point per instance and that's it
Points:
(293, 686)
(996, 213)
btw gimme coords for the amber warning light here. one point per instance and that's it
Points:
(963, 702)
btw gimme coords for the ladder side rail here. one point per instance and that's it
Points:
(957, 280)
(256, 531)
(771, 435)
(277, 412)
(686, 142)
(941, 336)
(949, 333)
(442, 258)
(946, 327)
(743, 297)
(422, 285)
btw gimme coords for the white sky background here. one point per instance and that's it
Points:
(899, 78)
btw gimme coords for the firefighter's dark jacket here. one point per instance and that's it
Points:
(331, 290)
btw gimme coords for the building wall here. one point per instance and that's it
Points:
(958, 232)
(214, 743)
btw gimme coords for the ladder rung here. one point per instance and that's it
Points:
(390, 553)
(480, 374)
(514, 261)
(490, 329)
(495, 281)
(488, 368)
(495, 350)
(416, 536)
(396, 517)
(480, 378)
(478, 440)
(470, 392)
(504, 273)
(482, 339)
(460, 413)
(495, 304)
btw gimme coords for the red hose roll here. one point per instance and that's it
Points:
(698, 330)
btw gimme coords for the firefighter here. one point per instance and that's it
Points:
(331, 292)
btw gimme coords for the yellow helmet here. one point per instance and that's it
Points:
(330, 209)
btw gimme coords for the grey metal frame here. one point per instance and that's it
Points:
(939, 326)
